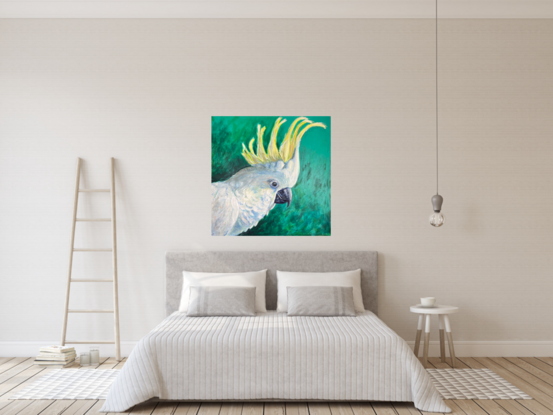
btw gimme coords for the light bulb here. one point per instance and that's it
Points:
(437, 219)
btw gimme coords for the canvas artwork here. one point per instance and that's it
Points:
(270, 176)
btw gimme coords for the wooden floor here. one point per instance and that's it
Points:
(532, 375)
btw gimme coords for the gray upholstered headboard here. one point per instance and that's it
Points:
(320, 261)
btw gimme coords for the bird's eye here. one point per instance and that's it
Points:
(274, 184)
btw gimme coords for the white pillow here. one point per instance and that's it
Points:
(319, 279)
(234, 279)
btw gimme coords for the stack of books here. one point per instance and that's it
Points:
(56, 355)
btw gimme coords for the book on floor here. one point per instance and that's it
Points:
(57, 349)
(56, 357)
(60, 364)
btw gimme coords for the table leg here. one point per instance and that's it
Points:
(442, 340)
(418, 336)
(449, 340)
(426, 341)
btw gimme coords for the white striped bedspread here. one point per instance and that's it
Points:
(273, 356)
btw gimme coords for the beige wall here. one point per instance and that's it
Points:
(143, 91)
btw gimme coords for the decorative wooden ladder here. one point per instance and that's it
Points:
(113, 251)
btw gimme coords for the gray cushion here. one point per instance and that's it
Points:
(221, 301)
(320, 301)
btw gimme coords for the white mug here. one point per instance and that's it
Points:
(428, 301)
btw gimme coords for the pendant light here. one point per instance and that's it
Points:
(437, 218)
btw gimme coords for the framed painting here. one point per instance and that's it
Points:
(270, 176)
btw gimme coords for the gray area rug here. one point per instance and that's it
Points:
(473, 384)
(70, 384)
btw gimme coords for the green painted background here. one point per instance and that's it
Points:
(309, 212)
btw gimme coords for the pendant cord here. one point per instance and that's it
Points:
(437, 97)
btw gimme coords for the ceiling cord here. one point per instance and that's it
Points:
(437, 97)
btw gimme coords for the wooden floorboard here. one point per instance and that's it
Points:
(165, 408)
(537, 372)
(15, 407)
(337, 408)
(236, 409)
(535, 407)
(37, 407)
(109, 363)
(249, 408)
(532, 375)
(80, 407)
(436, 362)
(548, 360)
(270, 409)
(185, 408)
(319, 408)
(145, 408)
(15, 362)
(296, 409)
(57, 407)
(380, 408)
(362, 408)
(513, 407)
(469, 406)
(491, 407)
(95, 409)
(10, 373)
(471, 363)
(405, 408)
(534, 361)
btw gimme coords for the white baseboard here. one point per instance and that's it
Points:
(26, 349)
(462, 348)
(492, 348)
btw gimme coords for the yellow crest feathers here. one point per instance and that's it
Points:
(289, 144)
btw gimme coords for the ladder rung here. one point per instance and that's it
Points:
(93, 190)
(88, 342)
(89, 280)
(90, 311)
(93, 220)
(92, 249)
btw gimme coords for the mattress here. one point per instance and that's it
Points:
(273, 357)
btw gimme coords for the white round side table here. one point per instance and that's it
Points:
(442, 312)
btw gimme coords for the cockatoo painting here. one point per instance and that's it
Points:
(261, 185)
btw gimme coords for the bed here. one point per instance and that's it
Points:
(272, 356)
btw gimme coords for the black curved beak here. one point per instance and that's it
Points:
(284, 196)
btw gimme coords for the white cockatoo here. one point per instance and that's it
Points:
(239, 203)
